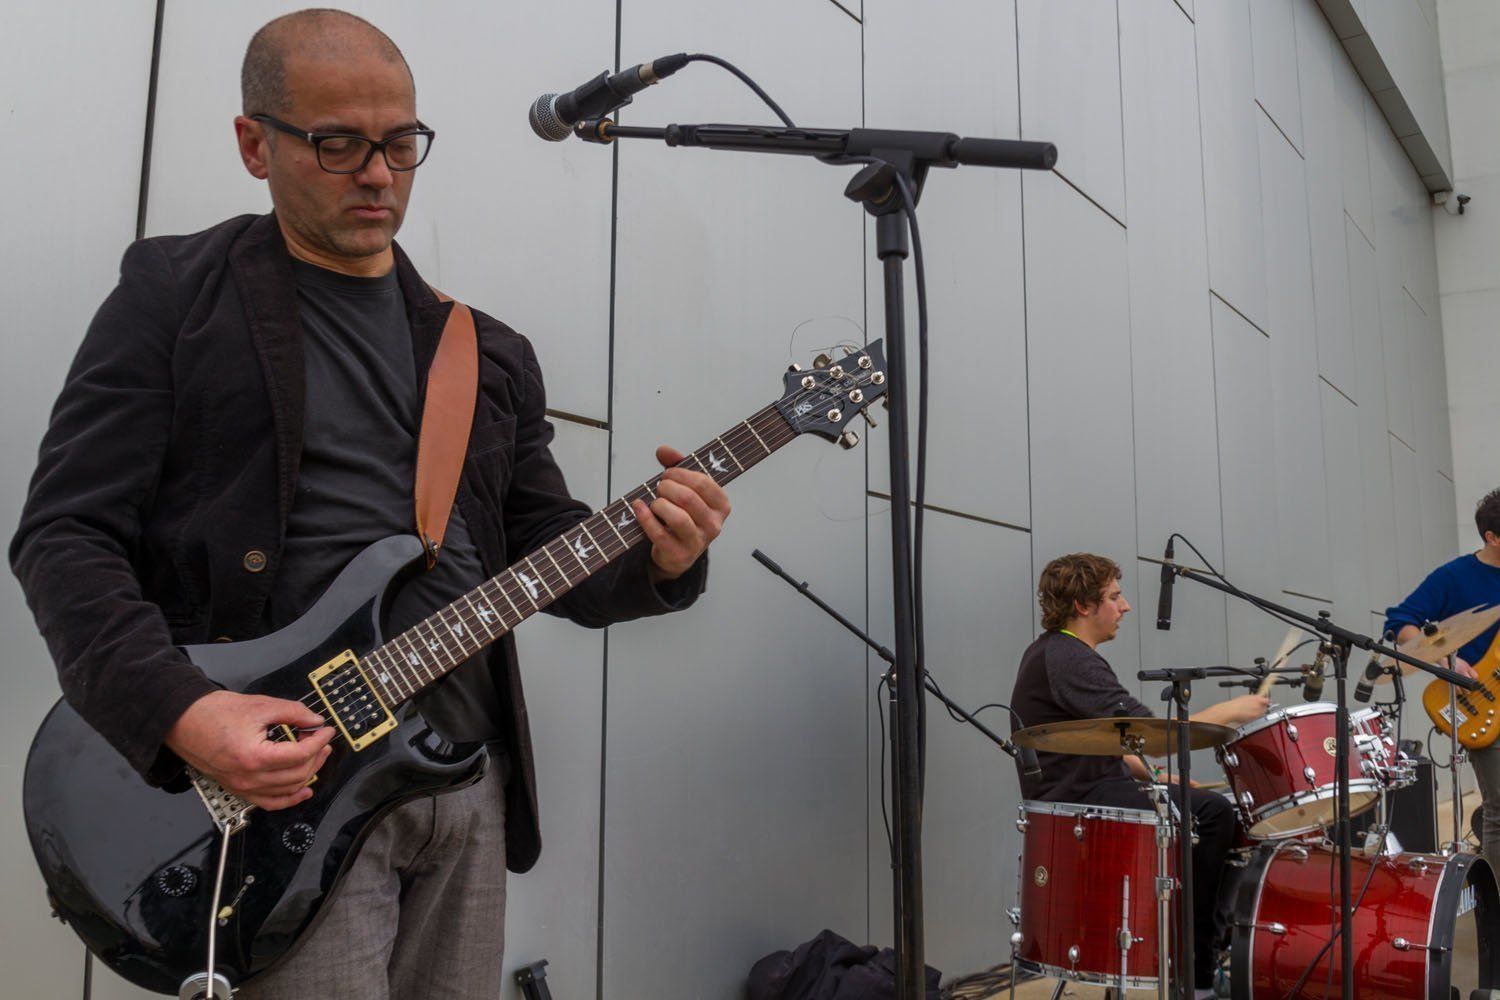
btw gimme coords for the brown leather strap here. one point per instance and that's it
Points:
(447, 415)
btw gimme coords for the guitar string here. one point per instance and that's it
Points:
(741, 435)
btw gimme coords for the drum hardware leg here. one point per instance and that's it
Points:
(1456, 758)
(1125, 937)
(1015, 919)
(1057, 991)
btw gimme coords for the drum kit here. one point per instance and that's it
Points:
(1097, 883)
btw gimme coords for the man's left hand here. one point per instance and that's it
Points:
(688, 513)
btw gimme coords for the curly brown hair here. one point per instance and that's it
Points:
(1078, 578)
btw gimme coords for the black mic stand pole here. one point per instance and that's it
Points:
(909, 154)
(1342, 640)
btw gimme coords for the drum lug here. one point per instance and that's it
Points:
(1073, 954)
(1078, 831)
(1291, 732)
(1417, 866)
(1014, 913)
(1311, 776)
(1247, 800)
(1229, 758)
(1401, 944)
(1021, 821)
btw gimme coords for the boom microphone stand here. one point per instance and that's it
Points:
(889, 186)
(1342, 641)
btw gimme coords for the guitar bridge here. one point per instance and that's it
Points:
(230, 813)
(350, 698)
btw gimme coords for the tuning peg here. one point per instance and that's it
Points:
(849, 439)
(868, 419)
(848, 350)
(794, 367)
(822, 361)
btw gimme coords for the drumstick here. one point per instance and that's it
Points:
(1288, 644)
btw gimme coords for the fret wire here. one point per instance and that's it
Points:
(752, 430)
(731, 453)
(453, 619)
(574, 545)
(603, 553)
(518, 577)
(428, 643)
(540, 577)
(376, 658)
(479, 615)
(413, 658)
(547, 551)
(500, 586)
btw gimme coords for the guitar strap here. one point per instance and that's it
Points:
(447, 415)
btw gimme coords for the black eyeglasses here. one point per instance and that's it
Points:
(343, 153)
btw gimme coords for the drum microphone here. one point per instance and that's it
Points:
(1164, 602)
(553, 116)
(1312, 685)
(1030, 766)
(1366, 686)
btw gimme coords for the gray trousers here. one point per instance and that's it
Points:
(420, 914)
(1486, 765)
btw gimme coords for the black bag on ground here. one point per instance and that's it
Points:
(830, 967)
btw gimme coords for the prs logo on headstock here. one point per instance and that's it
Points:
(825, 398)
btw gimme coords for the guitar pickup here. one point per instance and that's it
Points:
(351, 700)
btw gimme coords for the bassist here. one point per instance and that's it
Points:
(1470, 581)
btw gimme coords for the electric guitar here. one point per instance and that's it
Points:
(1478, 719)
(161, 886)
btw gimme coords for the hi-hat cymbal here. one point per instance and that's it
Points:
(1452, 634)
(1119, 736)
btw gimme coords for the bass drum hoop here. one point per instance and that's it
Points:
(1442, 921)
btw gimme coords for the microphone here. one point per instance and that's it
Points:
(1030, 766)
(1366, 686)
(1312, 685)
(553, 116)
(1164, 602)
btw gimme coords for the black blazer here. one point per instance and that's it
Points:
(158, 508)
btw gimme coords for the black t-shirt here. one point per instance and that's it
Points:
(1061, 678)
(356, 478)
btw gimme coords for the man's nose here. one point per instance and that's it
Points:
(377, 173)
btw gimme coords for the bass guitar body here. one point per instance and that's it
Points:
(1478, 712)
(132, 868)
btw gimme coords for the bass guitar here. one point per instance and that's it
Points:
(195, 885)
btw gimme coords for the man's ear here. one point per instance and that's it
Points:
(254, 146)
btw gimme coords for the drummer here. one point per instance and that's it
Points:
(1063, 677)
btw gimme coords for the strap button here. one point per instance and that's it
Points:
(255, 560)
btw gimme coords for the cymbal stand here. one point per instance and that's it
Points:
(1455, 758)
(1165, 819)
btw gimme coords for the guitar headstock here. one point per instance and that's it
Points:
(824, 399)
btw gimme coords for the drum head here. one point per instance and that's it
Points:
(1473, 907)
(1314, 812)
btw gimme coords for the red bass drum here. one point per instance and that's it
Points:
(1424, 926)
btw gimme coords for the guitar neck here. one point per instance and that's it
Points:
(429, 650)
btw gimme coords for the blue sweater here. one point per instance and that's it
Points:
(1454, 586)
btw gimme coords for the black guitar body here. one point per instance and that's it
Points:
(132, 867)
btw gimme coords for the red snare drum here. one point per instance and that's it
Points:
(1281, 772)
(1087, 874)
(1425, 928)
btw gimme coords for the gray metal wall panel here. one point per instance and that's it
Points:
(1301, 508)
(1347, 550)
(1171, 343)
(68, 71)
(1247, 463)
(1411, 559)
(1395, 226)
(980, 619)
(971, 234)
(1231, 169)
(1274, 45)
(1375, 460)
(735, 809)
(1082, 470)
(1355, 108)
(1070, 91)
(552, 911)
(1317, 52)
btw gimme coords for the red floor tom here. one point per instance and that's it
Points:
(1088, 886)
(1425, 926)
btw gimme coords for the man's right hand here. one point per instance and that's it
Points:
(1246, 708)
(224, 735)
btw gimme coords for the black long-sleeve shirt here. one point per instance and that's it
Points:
(1062, 678)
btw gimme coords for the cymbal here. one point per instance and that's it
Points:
(1453, 633)
(1106, 737)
